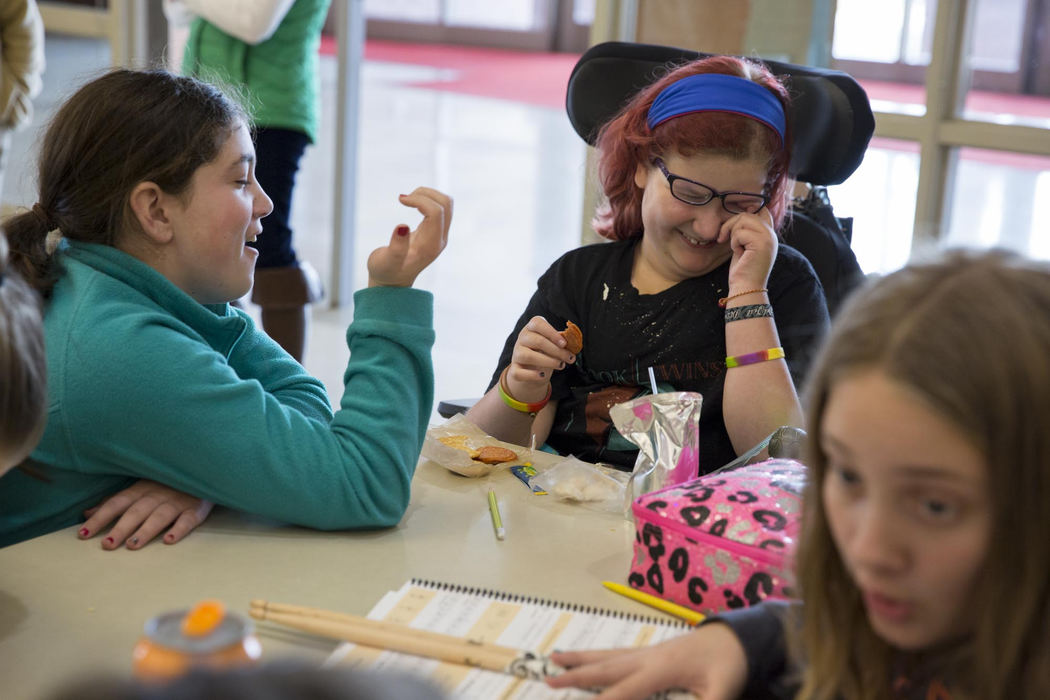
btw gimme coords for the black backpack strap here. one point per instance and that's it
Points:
(813, 229)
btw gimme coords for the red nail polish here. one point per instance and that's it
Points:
(402, 230)
(108, 540)
(84, 532)
(169, 537)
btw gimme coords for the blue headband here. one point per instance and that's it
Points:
(717, 92)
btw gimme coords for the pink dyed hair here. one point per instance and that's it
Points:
(626, 141)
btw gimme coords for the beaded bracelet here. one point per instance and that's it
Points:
(725, 300)
(531, 408)
(754, 357)
(741, 313)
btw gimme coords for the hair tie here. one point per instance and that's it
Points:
(717, 92)
(43, 216)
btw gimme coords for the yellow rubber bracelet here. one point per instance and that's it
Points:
(754, 357)
(531, 408)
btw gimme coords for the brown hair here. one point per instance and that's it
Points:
(23, 385)
(116, 131)
(969, 333)
(626, 141)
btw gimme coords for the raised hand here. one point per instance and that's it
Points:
(144, 509)
(538, 352)
(754, 245)
(709, 662)
(409, 252)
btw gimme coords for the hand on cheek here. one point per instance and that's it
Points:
(754, 244)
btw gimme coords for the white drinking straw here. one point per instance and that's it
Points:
(652, 379)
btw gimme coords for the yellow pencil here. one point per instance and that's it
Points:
(690, 616)
(497, 521)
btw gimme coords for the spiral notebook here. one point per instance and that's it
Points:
(511, 620)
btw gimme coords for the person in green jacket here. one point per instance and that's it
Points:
(148, 177)
(269, 49)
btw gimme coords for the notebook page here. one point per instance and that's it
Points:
(499, 618)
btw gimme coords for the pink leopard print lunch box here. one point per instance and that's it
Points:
(723, 540)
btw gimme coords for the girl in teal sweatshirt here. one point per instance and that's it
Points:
(149, 180)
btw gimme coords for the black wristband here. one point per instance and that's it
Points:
(739, 313)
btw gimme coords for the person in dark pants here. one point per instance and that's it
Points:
(284, 285)
(269, 49)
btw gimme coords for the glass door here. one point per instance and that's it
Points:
(893, 40)
(536, 25)
(961, 94)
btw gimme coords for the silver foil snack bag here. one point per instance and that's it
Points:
(666, 428)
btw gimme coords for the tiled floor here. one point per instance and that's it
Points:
(516, 173)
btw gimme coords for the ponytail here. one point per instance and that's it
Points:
(27, 235)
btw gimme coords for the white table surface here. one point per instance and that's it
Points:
(67, 607)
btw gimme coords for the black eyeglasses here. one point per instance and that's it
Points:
(698, 194)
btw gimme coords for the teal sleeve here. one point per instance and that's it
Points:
(256, 356)
(175, 411)
(385, 399)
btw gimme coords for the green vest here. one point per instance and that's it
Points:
(278, 77)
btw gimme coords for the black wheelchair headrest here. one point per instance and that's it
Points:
(830, 117)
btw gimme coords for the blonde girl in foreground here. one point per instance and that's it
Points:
(923, 565)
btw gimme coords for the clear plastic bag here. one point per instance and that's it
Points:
(591, 485)
(452, 443)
